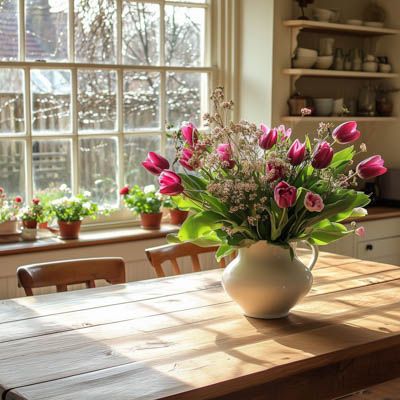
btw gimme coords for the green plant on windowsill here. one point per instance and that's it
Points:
(145, 202)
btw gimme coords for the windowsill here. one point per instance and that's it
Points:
(90, 238)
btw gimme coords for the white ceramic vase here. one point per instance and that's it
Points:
(265, 282)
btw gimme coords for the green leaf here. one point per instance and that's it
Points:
(184, 203)
(327, 232)
(341, 159)
(224, 250)
(199, 226)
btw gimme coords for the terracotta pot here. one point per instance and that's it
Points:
(29, 224)
(43, 225)
(69, 230)
(178, 216)
(151, 221)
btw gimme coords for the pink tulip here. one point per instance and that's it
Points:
(323, 156)
(371, 167)
(346, 132)
(286, 133)
(274, 171)
(297, 152)
(360, 231)
(155, 163)
(187, 154)
(268, 138)
(190, 133)
(313, 202)
(285, 195)
(224, 152)
(170, 183)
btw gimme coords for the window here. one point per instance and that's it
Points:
(86, 87)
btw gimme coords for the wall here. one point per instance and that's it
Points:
(265, 51)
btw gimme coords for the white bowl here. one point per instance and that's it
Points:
(370, 66)
(304, 62)
(323, 14)
(373, 24)
(323, 106)
(354, 22)
(385, 68)
(303, 52)
(324, 62)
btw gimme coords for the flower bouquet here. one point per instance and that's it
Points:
(255, 189)
(9, 210)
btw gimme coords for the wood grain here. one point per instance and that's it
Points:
(182, 338)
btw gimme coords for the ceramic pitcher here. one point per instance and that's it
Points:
(266, 282)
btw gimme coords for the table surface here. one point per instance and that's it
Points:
(182, 338)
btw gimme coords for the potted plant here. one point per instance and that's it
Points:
(145, 202)
(177, 215)
(255, 190)
(70, 211)
(33, 214)
(9, 210)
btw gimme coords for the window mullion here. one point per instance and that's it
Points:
(28, 131)
(21, 29)
(163, 77)
(75, 141)
(71, 31)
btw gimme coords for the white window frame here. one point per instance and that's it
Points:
(73, 67)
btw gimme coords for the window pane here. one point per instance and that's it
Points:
(51, 163)
(97, 106)
(51, 100)
(9, 30)
(136, 148)
(11, 101)
(95, 31)
(184, 37)
(186, 97)
(141, 100)
(12, 168)
(140, 33)
(98, 169)
(46, 30)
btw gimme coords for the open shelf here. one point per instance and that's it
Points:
(340, 28)
(289, 118)
(328, 73)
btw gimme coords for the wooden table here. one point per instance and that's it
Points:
(182, 338)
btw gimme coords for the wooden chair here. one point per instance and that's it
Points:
(171, 252)
(70, 272)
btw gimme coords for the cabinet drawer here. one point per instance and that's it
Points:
(384, 228)
(379, 249)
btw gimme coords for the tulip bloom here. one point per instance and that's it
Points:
(124, 191)
(170, 183)
(274, 171)
(187, 154)
(360, 231)
(268, 138)
(224, 151)
(313, 202)
(297, 152)
(323, 156)
(285, 195)
(190, 134)
(155, 163)
(371, 167)
(346, 132)
(286, 133)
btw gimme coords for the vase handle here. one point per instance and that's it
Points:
(315, 253)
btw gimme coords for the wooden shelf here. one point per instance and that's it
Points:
(289, 118)
(327, 73)
(340, 28)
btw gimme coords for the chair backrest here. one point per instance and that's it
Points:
(171, 252)
(70, 272)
